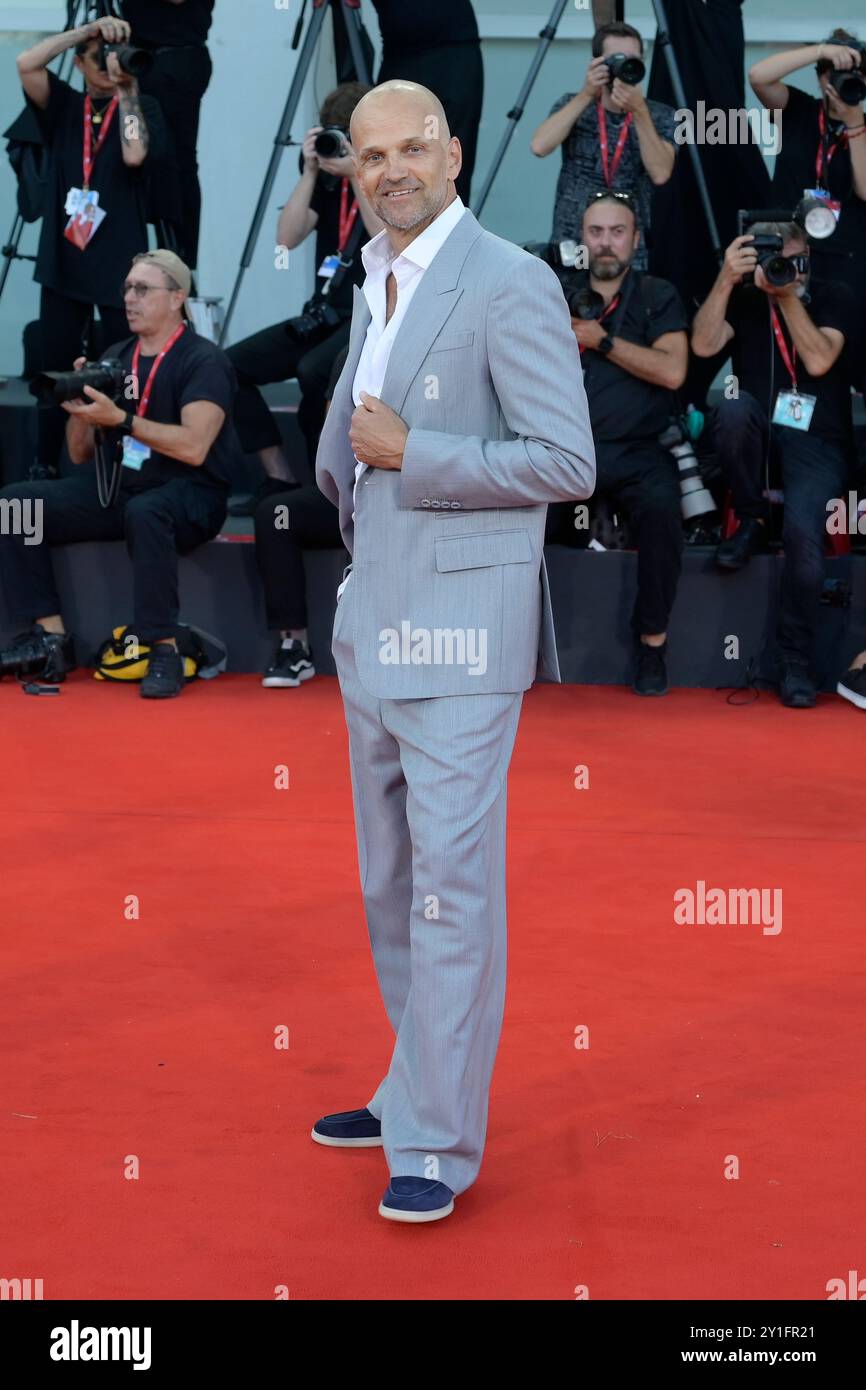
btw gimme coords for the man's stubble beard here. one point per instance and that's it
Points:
(430, 205)
(608, 270)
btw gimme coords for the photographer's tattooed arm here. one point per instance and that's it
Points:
(134, 134)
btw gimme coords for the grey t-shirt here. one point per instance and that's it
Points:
(582, 172)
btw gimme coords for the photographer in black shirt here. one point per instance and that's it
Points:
(175, 31)
(793, 406)
(179, 454)
(823, 147)
(634, 350)
(104, 143)
(326, 200)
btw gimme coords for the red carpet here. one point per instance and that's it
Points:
(604, 1167)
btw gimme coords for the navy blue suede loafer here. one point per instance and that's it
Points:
(416, 1199)
(348, 1129)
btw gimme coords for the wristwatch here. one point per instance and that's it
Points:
(605, 345)
(128, 420)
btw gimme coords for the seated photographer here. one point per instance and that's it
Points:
(104, 145)
(327, 200)
(631, 330)
(793, 406)
(172, 419)
(313, 524)
(823, 149)
(611, 135)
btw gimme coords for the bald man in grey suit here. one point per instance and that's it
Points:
(460, 413)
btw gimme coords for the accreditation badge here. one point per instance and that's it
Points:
(135, 454)
(794, 410)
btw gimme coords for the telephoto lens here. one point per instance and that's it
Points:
(53, 388)
(626, 67)
(137, 62)
(695, 499)
(585, 303)
(850, 86)
(329, 143)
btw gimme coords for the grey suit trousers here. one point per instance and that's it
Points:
(429, 791)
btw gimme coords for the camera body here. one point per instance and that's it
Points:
(850, 86)
(137, 62)
(778, 270)
(53, 388)
(330, 143)
(625, 66)
(314, 324)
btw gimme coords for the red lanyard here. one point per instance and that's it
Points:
(610, 175)
(144, 402)
(347, 219)
(822, 159)
(789, 360)
(608, 310)
(89, 152)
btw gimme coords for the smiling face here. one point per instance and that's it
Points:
(157, 307)
(407, 161)
(611, 239)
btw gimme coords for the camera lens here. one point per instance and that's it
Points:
(778, 270)
(626, 67)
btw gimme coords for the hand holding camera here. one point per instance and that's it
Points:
(741, 259)
(109, 30)
(597, 78)
(328, 150)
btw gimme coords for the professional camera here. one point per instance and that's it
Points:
(137, 62)
(695, 499)
(316, 323)
(626, 67)
(812, 214)
(53, 388)
(559, 255)
(584, 303)
(330, 143)
(850, 86)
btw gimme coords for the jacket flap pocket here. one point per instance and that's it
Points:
(446, 341)
(483, 548)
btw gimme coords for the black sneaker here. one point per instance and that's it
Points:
(164, 676)
(292, 664)
(651, 677)
(852, 687)
(49, 656)
(796, 688)
(246, 506)
(749, 538)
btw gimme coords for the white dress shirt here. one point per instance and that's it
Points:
(408, 268)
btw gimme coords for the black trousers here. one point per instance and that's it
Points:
(455, 72)
(640, 477)
(813, 471)
(313, 524)
(63, 332)
(179, 79)
(272, 355)
(157, 524)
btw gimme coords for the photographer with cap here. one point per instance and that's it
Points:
(823, 152)
(173, 423)
(631, 332)
(104, 143)
(611, 135)
(326, 200)
(790, 407)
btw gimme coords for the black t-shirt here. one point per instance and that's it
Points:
(764, 376)
(195, 369)
(795, 171)
(96, 274)
(621, 406)
(325, 202)
(159, 24)
(408, 28)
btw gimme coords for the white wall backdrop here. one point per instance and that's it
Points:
(253, 64)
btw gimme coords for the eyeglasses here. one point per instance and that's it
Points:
(141, 290)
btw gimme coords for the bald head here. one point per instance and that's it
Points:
(406, 156)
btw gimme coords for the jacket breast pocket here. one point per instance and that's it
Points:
(482, 548)
(449, 341)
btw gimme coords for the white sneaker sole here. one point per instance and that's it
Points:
(415, 1216)
(858, 700)
(287, 682)
(371, 1143)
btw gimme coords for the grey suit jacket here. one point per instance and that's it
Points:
(449, 587)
